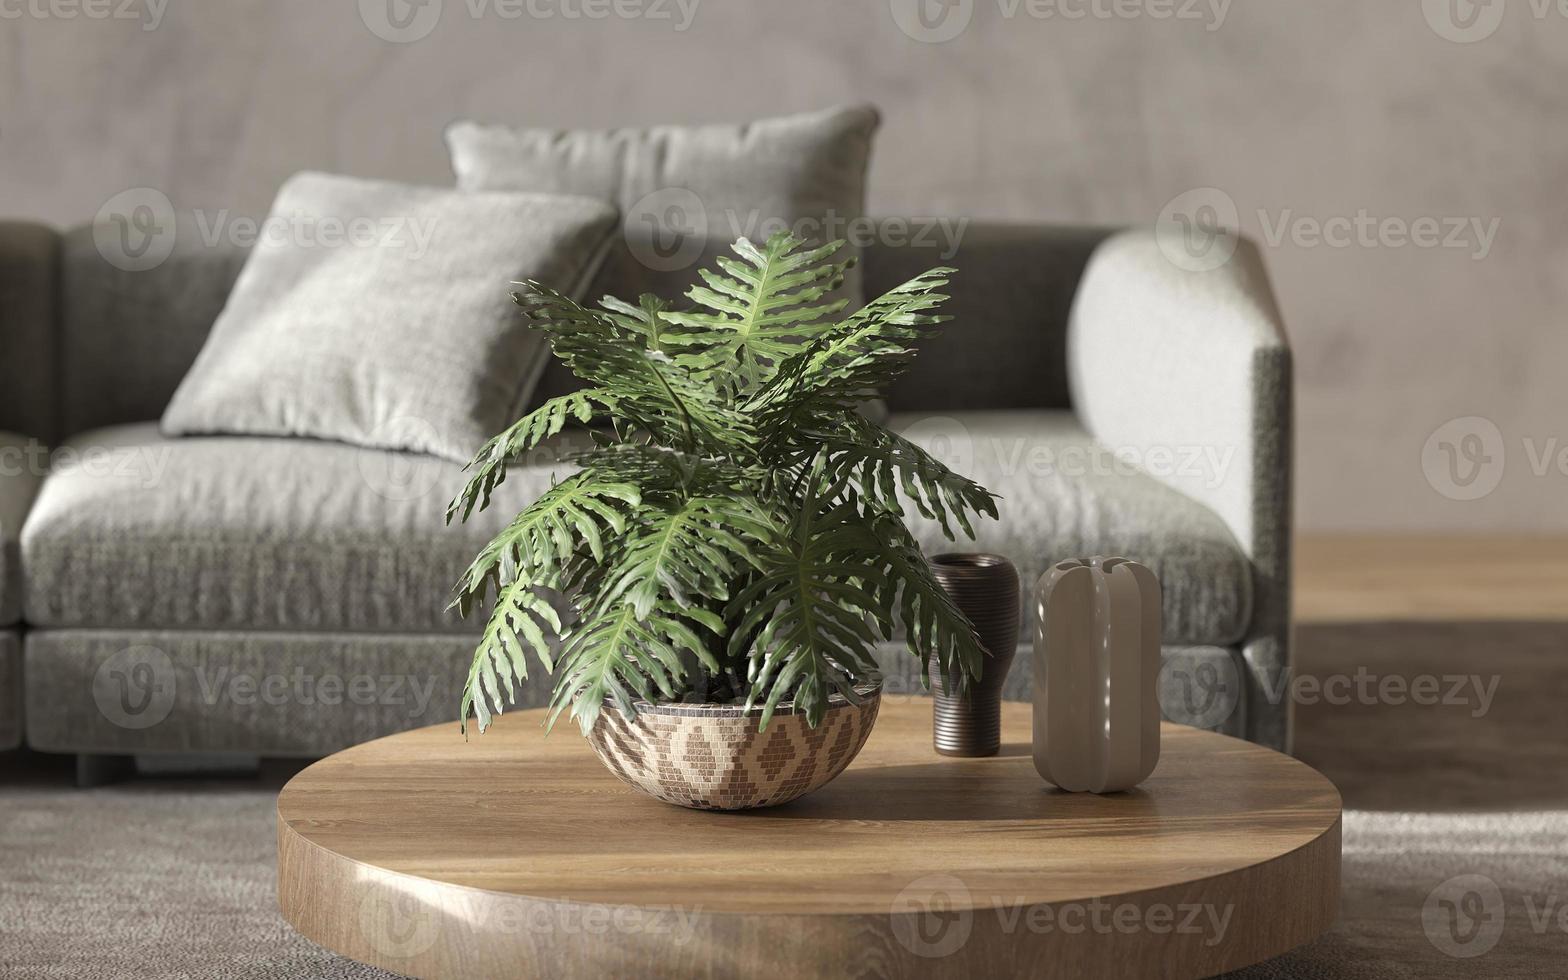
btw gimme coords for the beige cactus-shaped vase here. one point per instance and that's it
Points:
(1096, 673)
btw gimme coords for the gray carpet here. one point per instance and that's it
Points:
(174, 878)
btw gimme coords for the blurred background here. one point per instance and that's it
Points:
(1401, 164)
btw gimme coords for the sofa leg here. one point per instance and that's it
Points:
(101, 770)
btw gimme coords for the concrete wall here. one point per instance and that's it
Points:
(1298, 112)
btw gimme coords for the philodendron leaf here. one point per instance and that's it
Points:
(736, 527)
(758, 309)
(529, 432)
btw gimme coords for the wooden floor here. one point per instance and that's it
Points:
(1349, 578)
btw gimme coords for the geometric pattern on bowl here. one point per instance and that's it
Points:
(712, 757)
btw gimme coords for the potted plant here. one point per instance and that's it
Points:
(732, 547)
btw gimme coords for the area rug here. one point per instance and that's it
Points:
(1456, 835)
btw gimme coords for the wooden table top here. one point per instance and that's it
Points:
(519, 815)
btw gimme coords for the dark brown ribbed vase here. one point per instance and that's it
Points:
(985, 588)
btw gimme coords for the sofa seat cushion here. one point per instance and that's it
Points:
(21, 463)
(245, 533)
(1064, 496)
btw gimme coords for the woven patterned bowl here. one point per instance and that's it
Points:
(711, 756)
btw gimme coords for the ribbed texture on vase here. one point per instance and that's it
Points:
(985, 589)
(968, 724)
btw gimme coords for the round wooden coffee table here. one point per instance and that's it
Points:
(517, 855)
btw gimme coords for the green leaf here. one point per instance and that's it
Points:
(619, 656)
(880, 463)
(846, 364)
(516, 629)
(669, 398)
(737, 529)
(686, 553)
(489, 466)
(804, 616)
(571, 517)
(934, 626)
(758, 310)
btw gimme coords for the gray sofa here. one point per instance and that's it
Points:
(282, 597)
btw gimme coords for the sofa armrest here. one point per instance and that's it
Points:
(1189, 374)
(29, 317)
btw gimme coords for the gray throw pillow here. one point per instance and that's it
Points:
(686, 192)
(379, 314)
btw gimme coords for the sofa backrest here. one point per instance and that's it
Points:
(1006, 346)
(125, 339)
(29, 294)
